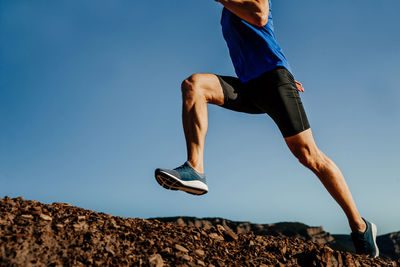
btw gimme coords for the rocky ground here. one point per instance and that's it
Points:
(389, 244)
(35, 234)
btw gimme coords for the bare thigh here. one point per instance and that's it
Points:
(206, 84)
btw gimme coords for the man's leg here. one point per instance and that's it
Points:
(304, 148)
(197, 91)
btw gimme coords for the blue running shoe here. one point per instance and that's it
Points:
(365, 242)
(183, 178)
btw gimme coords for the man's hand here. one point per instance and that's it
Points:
(299, 86)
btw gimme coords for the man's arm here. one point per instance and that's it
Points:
(252, 11)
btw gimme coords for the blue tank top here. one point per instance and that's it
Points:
(253, 49)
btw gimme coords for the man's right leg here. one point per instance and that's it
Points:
(197, 91)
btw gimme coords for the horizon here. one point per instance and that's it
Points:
(90, 106)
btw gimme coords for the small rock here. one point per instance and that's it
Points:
(230, 236)
(283, 250)
(216, 236)
(220, 229)
(181, 222)
(186, 257)
(45, 217)
(156, 260)
(77, 226)
(181, 248)
(199, 252)
(36, 212)
(114, 224)
(201, 263)
(27, 216)
(167, 250)
(110, 249)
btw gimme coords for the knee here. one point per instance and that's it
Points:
(310, 158)
(191, 87)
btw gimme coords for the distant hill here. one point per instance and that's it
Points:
(389, 244)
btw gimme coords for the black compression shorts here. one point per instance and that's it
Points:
(274, 93)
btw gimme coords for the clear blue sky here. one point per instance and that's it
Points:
(90, 106)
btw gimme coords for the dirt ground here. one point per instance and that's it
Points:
(35, 234)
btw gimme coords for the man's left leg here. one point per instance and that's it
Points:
(304, 148)
(306, 151)
(283, 104)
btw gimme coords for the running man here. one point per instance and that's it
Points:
(264, 85)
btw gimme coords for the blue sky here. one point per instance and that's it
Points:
(90, 106)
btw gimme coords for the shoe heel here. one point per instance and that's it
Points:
(374, 233)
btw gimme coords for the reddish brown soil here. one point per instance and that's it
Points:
(35, 234)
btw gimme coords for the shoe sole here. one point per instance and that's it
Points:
(374, 232)
(170, 182)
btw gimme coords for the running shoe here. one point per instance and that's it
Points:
(365, 242)
(183, 178)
